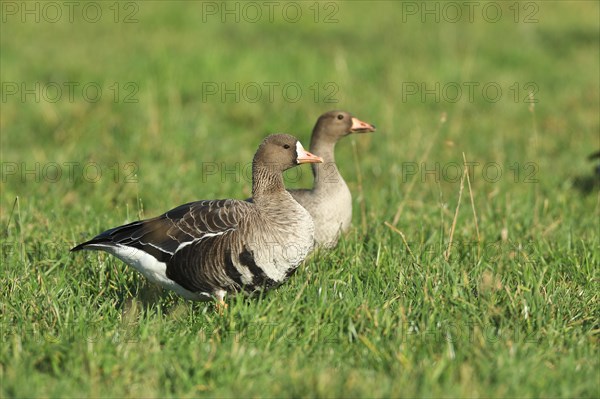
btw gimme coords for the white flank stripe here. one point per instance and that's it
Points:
(185, 244)
(149, 267)
(160, 249)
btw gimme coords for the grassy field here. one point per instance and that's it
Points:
(489, 288)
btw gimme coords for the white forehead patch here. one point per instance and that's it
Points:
(299, 150)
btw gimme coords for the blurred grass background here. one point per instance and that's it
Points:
(530, 307)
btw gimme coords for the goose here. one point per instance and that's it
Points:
(329, 201)
(593, 156)
(206, 249)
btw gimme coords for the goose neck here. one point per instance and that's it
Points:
(266, 180)
(327, 171)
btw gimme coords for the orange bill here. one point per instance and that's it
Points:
(359, 126)
(304, 156)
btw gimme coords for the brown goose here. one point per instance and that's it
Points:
(330, 202)
(206, 249)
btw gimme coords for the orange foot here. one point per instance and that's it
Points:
(221, 306)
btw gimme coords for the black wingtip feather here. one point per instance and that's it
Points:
(102, 238)
(77, 248)
(80, 247)
(87, 244)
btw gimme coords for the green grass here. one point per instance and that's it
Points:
(514, 310)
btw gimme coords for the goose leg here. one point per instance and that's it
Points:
(221, 306)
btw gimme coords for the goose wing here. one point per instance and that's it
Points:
(162, 236)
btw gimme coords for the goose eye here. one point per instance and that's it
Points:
(340, 116)
(286, 146)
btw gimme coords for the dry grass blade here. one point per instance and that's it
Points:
(394, 229)
(12, 211)
(472, 206)
(462, 185)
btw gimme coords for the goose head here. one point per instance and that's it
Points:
(333, 125)
(281, 152)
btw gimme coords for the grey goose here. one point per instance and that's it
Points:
(329, 201)
(206, 249)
